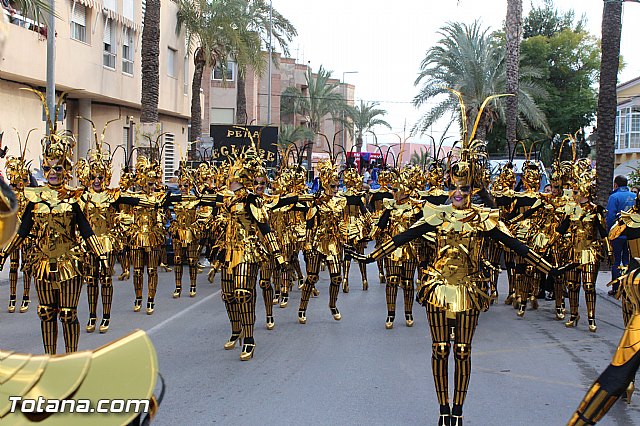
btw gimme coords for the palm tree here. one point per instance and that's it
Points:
(289, 134)
(420, 158)
(32, 8)
(150, 63)
(468, 59)
(513, 32)
(607, 98)
(256, 16)
(322, 99)
(217, 30)
(364, 117)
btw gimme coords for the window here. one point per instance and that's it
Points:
(110, 4)
(229, 72)
(127, 10)
(169, 157)
(171, 62)
(108, 40)
(186, 75)
(222, 116)
(78, 22)
(628, 128)
(127, 51)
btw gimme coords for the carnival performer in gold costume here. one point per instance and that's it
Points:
(242, 247)
(358, 223)
(184, 230)
(18, 175)
(53, 216)
(584, 222)
(454, 287)
(146, 230)
(326, 234)
(401, 264)
(618, 378)
(376, 203)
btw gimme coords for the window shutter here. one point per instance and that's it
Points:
(79, 14)
(127, 9)
(125, 38)
(107, 31)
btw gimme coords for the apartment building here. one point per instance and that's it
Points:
(221, 93)
(627, 145)
(98, 59)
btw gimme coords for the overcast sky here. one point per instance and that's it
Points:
(385, 41)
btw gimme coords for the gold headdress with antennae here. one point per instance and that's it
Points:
(57, 145)
(98, 158)
(17, 168)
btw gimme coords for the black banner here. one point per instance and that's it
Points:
(230, 140)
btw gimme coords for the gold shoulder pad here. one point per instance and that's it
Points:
(489, 218)
(259, 213)
(435, 215)
(388, 203)
(125, 369)
(33, 194)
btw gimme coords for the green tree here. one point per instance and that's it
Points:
(468, 58)
(289, 134)
(420, 158)
(364, 118)
(569, 58)
(322, 98)
(37, 9)
(217, 29)
(256, 17)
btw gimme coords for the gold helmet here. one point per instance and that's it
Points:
(147, 172)
(327, 173)
(17, 172)
(246, 167)
(352, 179)
(506, 179)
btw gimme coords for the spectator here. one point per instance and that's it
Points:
(366, 176)
(634, 189)
(547, 189)
(620, 200)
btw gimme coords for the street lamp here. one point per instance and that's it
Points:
(344, 94)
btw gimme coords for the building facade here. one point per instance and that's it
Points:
(221, 94)
(627, 145)
(98, 60)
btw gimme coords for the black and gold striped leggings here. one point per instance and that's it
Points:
(239, 296)
(149, 257)
(62, 302)
(464, 327)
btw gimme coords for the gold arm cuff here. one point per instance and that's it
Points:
(272, 243)
(384, 250)
(538, 262)
(95, 246)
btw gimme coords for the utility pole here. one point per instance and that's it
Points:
(344, 94)
(51, 63)
(270, 60)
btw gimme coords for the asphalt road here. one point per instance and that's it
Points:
(530, 371)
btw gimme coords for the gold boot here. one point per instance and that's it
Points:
(166, 267)
(124, 276)
(315, 292)
(560, 314)
(509, 299)
(211, 275)
(345, 286)
(12, 304)
(408, 319)
(91, 325)
(365, 285)
(231, 343)
(270, 322)
(104, 325)
(247, 351)
(177, 292)
(389, 323)
(534, 302)
(335, 313)
(137, 304)
(592, 324)
(24, 306)
(284, 301)
(151, 305)
(192, 291)
(573, 321)
(302, 316)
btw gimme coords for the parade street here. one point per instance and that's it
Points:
(531, 371)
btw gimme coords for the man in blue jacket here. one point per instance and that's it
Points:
(620, 200)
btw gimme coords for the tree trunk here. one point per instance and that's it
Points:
(359, 142)
(150, 63)
(607, 98)
(196, 107)
(241, 101)
(513, 35)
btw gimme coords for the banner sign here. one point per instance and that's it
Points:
(230, 140)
